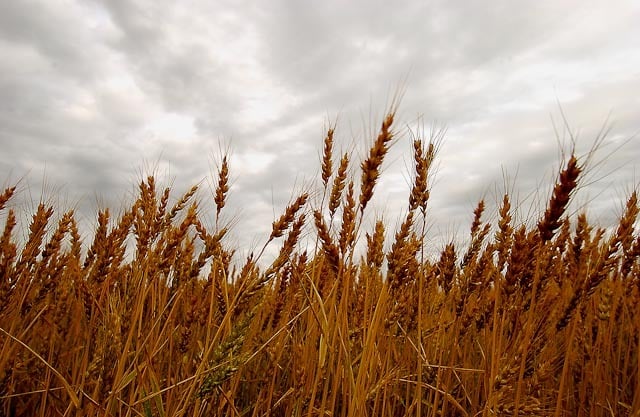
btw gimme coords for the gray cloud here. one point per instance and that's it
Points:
(100, 92)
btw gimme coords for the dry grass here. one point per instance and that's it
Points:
(156, 318)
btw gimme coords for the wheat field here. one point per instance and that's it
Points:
(156, 315)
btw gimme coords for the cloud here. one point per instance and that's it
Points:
(100, 91)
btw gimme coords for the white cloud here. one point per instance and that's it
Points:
(95, 90)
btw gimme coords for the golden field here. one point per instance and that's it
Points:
(155, 315)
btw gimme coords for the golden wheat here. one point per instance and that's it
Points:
(156, 316)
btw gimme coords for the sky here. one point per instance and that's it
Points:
(96, 94)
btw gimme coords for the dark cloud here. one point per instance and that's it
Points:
(102, 92)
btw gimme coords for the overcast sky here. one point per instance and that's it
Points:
(94, 93)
